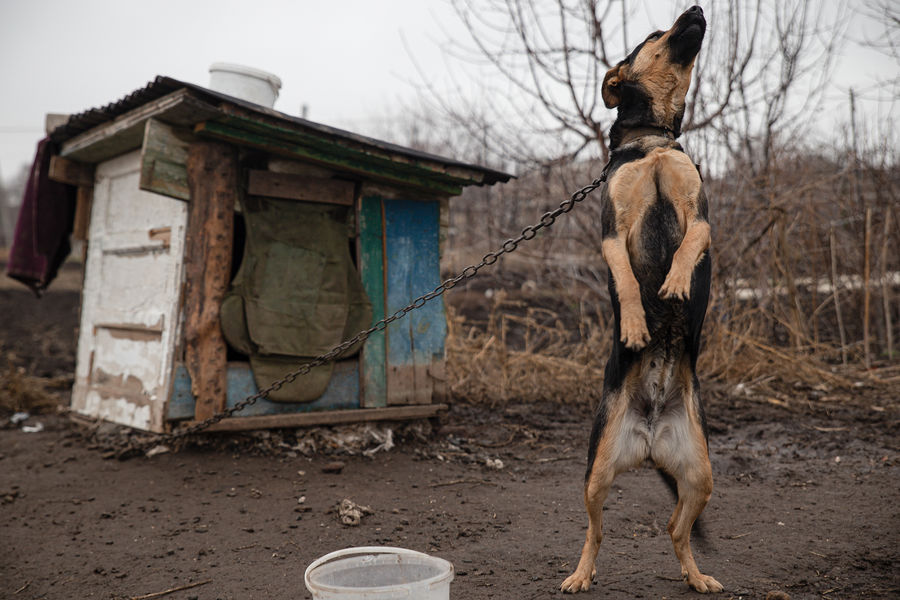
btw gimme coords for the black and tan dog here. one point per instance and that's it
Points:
(655, 242)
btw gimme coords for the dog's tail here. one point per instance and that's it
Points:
(699, 532)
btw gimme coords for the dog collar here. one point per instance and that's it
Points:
(638, 132)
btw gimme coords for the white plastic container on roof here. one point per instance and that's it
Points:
(246, 83)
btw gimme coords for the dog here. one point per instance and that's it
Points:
(655, 241)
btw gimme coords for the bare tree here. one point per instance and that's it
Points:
(780, 58)
(539, 65)
(885, 14)
(803, 228)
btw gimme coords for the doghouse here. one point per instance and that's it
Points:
(196, 204)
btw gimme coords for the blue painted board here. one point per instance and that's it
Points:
(412, 268)
(342, 392)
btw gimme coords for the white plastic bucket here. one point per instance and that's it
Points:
(379, 573)
(245, 83)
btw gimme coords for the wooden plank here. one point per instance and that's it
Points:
(212, 172)
(399, 258)
(300, 187)
(342, 393)
(81, 222)
(330, 156)
(428, 325)
(71, 172)
(437, 374)
(131, 298)
(331, 417)
(161, 234)
(347, 142)
(155, 330)
(54, 120)
(126, 132)
(444, 227)
(415, 343)
(371, 270)
(351, 142)
(164, 153)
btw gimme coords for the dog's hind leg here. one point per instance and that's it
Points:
(680, 448)
(620, 442)
(596, 489)
(694, 489)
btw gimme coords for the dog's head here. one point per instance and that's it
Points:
(649, 86)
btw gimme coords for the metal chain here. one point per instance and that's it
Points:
(510, 245)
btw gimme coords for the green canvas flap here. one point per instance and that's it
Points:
(297, 293)
(234, 324)
(307, 388)
(296, 297)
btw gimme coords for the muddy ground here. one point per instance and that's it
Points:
(807, 499)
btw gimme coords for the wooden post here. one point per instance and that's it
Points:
(212, 173)
(837, 302)
(81, 175)
(886, 287)
(81, 223)
(867, 288)
(867, 234)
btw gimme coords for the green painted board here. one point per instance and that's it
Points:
(164, 160)
(371, 267)
(332, 156)
(350, 150)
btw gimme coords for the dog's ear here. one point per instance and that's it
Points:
(610, 89)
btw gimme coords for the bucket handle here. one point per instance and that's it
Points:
(353, 552)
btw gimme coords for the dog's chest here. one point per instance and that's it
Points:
(663, 175)
(652, 199)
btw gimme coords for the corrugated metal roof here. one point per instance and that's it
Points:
(162, 86)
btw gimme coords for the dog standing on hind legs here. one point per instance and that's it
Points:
(655, 241)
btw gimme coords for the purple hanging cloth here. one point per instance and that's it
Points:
(41, 239)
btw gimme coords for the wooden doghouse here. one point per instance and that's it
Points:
(165, 176)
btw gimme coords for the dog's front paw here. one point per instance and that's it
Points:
(704, 583)
(677, 286)
(634, 329)
(577, 582)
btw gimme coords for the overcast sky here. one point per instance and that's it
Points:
(348, 60)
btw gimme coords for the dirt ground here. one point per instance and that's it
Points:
(807, 498)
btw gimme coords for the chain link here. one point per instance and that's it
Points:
(510, 245)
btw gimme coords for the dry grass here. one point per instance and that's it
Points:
(805, 292)
(20, 391)
(523, 357)
(523, 352)
(739, 351)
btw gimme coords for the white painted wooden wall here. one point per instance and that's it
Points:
(131, 299)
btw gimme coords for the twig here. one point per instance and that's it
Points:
(22, 589)
(554, 459)
(171, 590)
(458, 481)
(247, 547)
(738, 536)
(778, 402)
